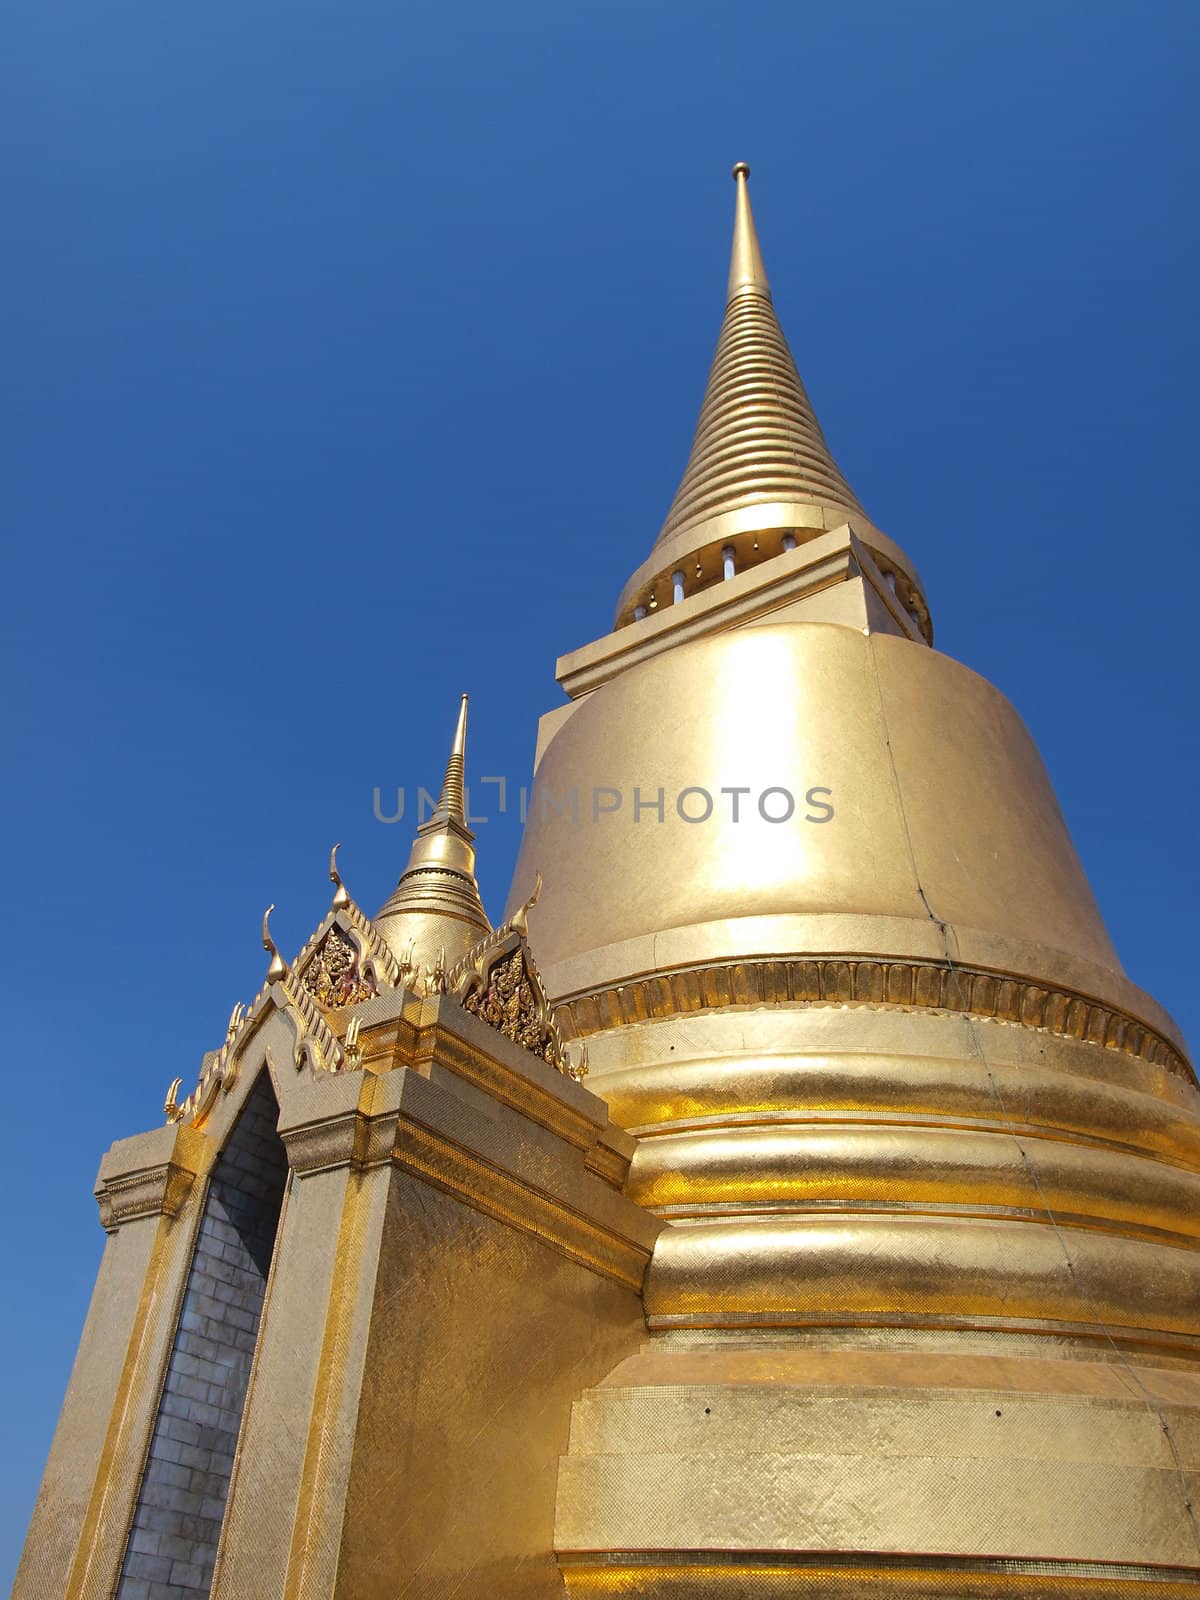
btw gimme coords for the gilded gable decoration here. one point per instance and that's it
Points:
(333, 977)
(498, 982)
(344, 963)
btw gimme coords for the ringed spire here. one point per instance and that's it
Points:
(758, 439)
(760, 477)
(452, 800)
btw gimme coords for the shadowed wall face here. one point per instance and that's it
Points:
(177, 1521)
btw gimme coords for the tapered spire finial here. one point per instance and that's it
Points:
(759, 460)
(452, 800)
(746, 270)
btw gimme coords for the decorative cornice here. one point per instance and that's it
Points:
(878, 981)
(355, 1137)
(158, 1189)
(351, 1139)
(498, 1080)
(450, 1167)
(218, 1069)
(608, 1164)
(317, 1046)
(316, 1043)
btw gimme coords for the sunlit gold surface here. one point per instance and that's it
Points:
(936, 786)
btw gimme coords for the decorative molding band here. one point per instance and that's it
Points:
(349, 1139)
(155, 1191)
(672, 1575)
(321, 1146)
(388, 1044)
(1104, 1334)
(879, 982)
(436, 1044)
(456, 1171)
(608, 1164)
(868, 1210)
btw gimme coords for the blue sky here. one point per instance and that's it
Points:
(352, 354)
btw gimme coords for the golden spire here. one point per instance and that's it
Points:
(436, 904)
(758, 440)
(452, 800)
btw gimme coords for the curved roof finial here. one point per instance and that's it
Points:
(341, 895)
(278, 966)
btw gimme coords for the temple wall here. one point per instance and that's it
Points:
(481, 1337)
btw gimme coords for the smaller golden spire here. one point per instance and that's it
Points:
(435, 914)
(746, 270)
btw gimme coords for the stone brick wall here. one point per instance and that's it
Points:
(177, 1521)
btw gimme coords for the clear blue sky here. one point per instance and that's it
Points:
(352, 354)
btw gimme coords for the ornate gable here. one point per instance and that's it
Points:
(346, 960)
(498, 982)
(344, 963)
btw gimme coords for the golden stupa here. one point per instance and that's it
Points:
(863, 1262)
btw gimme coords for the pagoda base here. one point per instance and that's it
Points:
(880, 1463)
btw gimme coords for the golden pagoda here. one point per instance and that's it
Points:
(790, 1196)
